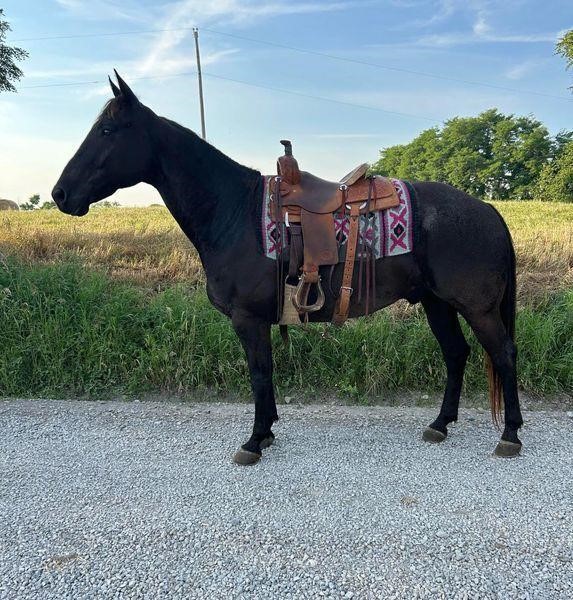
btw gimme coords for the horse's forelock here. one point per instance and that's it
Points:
(110, 109)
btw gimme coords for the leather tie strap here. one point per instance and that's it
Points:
(296, 253)
(343, 304)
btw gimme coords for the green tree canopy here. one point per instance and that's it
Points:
(9, 56)
(565, 48)
(556, 180)
(491, 155)
(32, 203)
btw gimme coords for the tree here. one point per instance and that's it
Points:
(491, 155)
(9, 56)
(106, 204)
(32, 203)
(565, 48)
(556, 180)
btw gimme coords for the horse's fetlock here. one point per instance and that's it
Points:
(441, 425)
(253, 445)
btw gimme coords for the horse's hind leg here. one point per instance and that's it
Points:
(443, 320)
(492, 335)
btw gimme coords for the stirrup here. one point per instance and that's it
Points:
(301, 295)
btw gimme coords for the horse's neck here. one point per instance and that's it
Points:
(210, 195)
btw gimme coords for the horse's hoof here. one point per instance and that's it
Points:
(268, 441)
(507, 449)
(433, 436)
(246, 457)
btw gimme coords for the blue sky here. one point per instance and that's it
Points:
(507, 44)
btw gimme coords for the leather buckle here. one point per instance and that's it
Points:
(347, 288)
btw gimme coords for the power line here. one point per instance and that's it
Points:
(309, 52)
(303, 95)
(49, 85)
(386, 67)
(73, 36)
(247, 83)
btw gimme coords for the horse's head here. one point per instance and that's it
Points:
(115, 154)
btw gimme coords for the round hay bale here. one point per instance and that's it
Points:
(8, 205)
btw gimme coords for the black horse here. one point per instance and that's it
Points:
(463, 262)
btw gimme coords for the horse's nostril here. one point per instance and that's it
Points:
(59, 195)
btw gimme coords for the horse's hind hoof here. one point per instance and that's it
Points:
(507, 449)
(433, 436)
(268, 441)
(246, 457)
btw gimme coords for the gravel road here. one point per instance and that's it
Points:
(141, 500)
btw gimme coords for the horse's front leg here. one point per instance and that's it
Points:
(255, 336)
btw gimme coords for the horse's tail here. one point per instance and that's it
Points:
(508, 310)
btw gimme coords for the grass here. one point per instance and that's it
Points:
(114, 303)
(146, 246)
(143, 246)
(69, 331)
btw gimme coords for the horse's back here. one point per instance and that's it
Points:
(463, 247)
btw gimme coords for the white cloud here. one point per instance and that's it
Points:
(480, 12)
(245, 11)
(444, 10)
(458, 39)
(163, 57)
(105, 10)
(522, 69)
(481, 27)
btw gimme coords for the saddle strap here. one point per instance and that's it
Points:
(296, 252)
(343, 304)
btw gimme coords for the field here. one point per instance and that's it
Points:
(113, 303)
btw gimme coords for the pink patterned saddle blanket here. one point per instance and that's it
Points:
(388, 232)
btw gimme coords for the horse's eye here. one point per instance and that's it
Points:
(106, 131)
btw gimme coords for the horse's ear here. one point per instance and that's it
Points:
(125, 89)
(116, 91)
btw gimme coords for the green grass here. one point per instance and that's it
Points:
(66, 330)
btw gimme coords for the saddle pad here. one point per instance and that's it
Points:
(389, 231)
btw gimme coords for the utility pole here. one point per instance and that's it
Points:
(196, 36)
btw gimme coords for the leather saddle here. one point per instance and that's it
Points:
(308, 205)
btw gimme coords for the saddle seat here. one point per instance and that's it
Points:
(319, 196)
(303, 190)
(308, 205)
